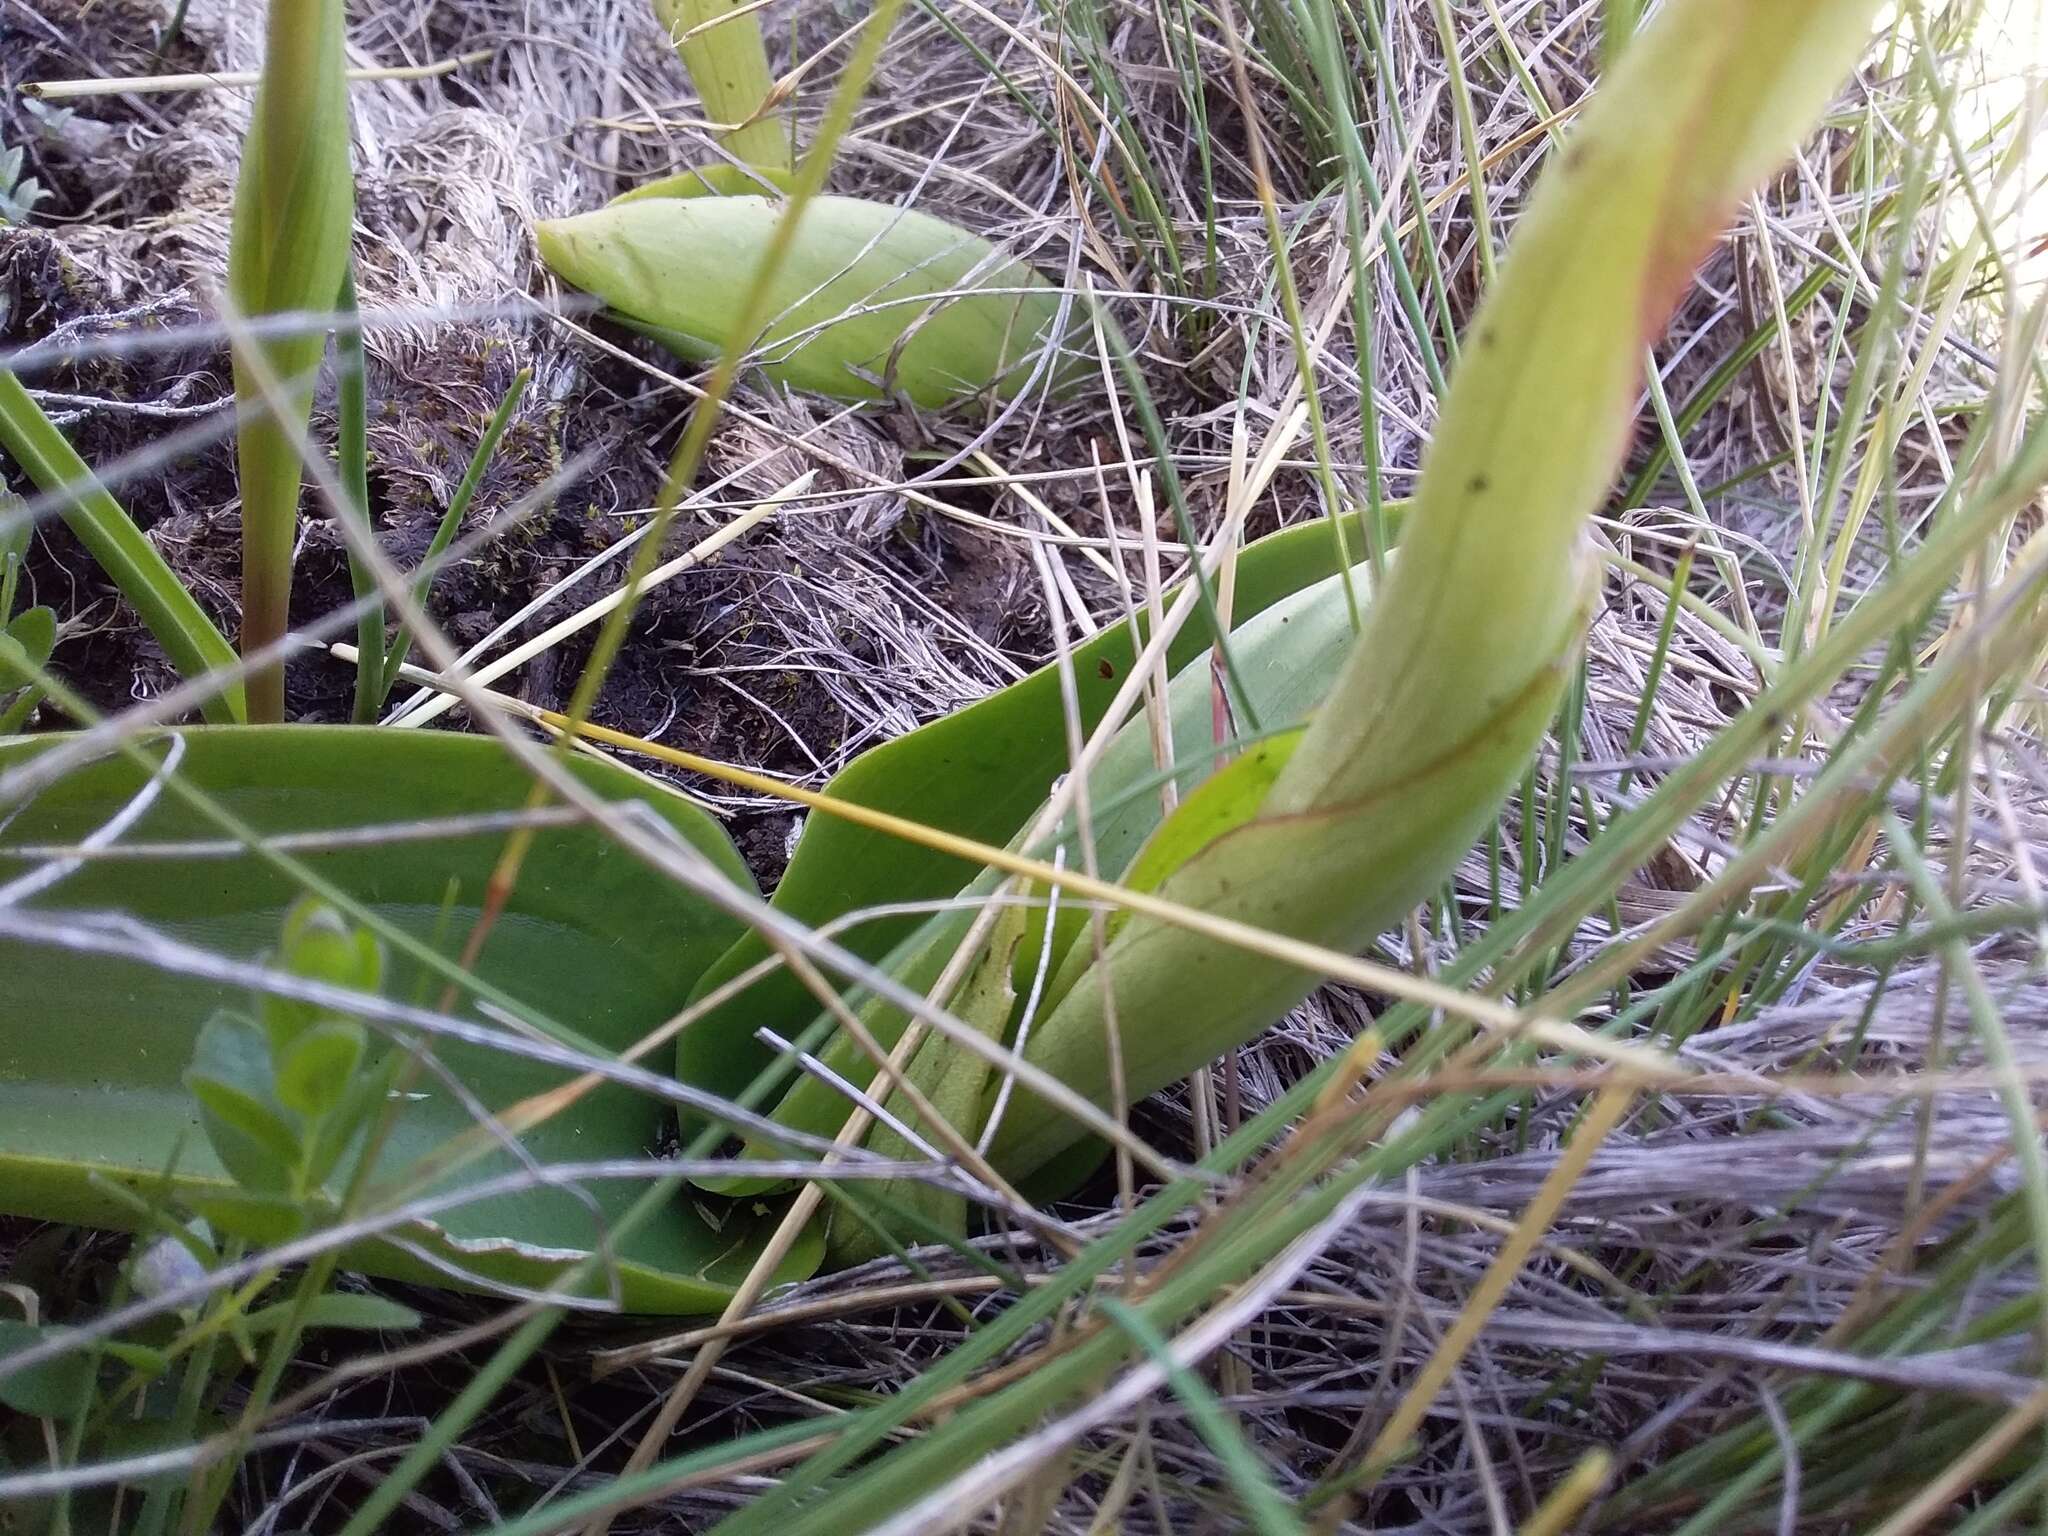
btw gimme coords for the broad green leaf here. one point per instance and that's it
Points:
(56, 1389)
(872, 301)
(980, 772)
(314, 1071)
(92, 1048)
(1465, 652)
(1286, 655)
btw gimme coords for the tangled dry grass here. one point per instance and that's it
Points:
(1711, 1246)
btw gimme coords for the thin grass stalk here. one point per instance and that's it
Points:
(1469, 141)
(1290, 303)
(352, 426)
(1405, 290)
(1327, 47)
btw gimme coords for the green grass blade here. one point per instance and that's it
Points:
(121, 549)
(352, 431)
(1266, 1511)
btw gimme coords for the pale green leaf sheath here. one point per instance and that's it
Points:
(294, 209)
(720, 44)
(1464, 653)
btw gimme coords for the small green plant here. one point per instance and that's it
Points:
(287, 1093)
(283, 1091)
(19, 194)
(598, 950)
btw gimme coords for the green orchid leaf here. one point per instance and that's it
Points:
(255, 1137)
(314, 1071)
(61, 1388)
(872, 301)
(1466, 650)
(1287, 653)
(980, 772)
(592, 947)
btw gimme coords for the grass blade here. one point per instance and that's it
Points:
(121, 549)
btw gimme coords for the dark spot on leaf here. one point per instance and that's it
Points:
(1488, 337)
(1104, 669)
(1575, 158)
(1476, 485)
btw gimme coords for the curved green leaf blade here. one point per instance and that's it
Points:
(56, 1389)
(979, 772)
(35, 631)
(1287, 654)
(717, 179)
(288, 253)
(93, 1050)
(872, 299)
(119, 548)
